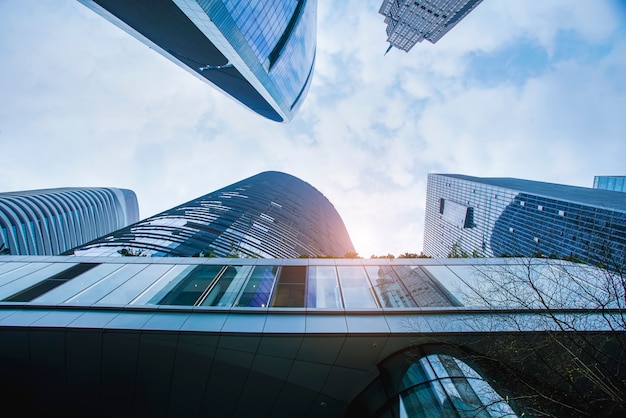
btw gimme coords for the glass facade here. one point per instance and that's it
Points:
(261, 53)
(316, 337)
(51, 221)
(614, 183)
(268, 215)
(409, 22)
(511, 217)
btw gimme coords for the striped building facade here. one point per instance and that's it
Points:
(51, 221)
(269, 215)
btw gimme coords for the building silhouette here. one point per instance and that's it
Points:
(261, 54)
(409, 22)
(269, 215)
(614, 183)
(506, 216)
(51, 221)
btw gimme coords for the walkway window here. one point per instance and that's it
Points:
(443, 386)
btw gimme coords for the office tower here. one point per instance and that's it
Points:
(261, 54)
(51, 221)
(225, 337)
(614, 183)
(409, 22)
(268, 215)
(506, 216)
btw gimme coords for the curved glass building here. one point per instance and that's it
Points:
(51, 221)
(269, 215)
(260, 53)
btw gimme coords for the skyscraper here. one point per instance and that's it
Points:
(268, 215)
(261, 54)
(506, 216)
(51, 221)
(409, 22)
(614, 183)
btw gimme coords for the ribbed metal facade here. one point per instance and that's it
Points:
(269, 215)
(409, 22)
(51, 221)
(506, 217)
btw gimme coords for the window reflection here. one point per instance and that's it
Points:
(355, 287)
(390, 291)
(442, 386)
(323, 291)
(191, 288)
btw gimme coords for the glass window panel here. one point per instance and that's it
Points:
(290, 287)
(453, 284)
(80, 283)
(323, 288)
(228, 286)
(51, 283)
(355, 287)
(104, 286)
(425, 291)
(391, 293)
(189, 290)
(259, 286)
(135, 285)
(165, 283)
(20, 279)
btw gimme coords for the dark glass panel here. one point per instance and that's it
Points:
(191, 288)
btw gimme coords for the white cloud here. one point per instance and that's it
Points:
(86, 104)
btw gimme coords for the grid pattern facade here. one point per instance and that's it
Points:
(614, 183)
(409, 22)
(506, 217)
(268, 215)
(49, 222)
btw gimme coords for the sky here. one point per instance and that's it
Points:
(527, 89)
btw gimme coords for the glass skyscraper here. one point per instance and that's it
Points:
(409, 22)
(261, 53)
(269, 215)
(614, 183)
(51, 221)
(505, 216)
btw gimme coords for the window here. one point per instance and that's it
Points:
(50, 283)
(290, 287)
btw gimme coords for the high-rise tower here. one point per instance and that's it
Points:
(261, 54)
(51, 221)
(409, 22)
(268, 215)
(506, 216)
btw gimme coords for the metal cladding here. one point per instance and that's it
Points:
(269, 215)
(51, 221)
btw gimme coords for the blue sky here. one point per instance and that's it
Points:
(534, 90)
